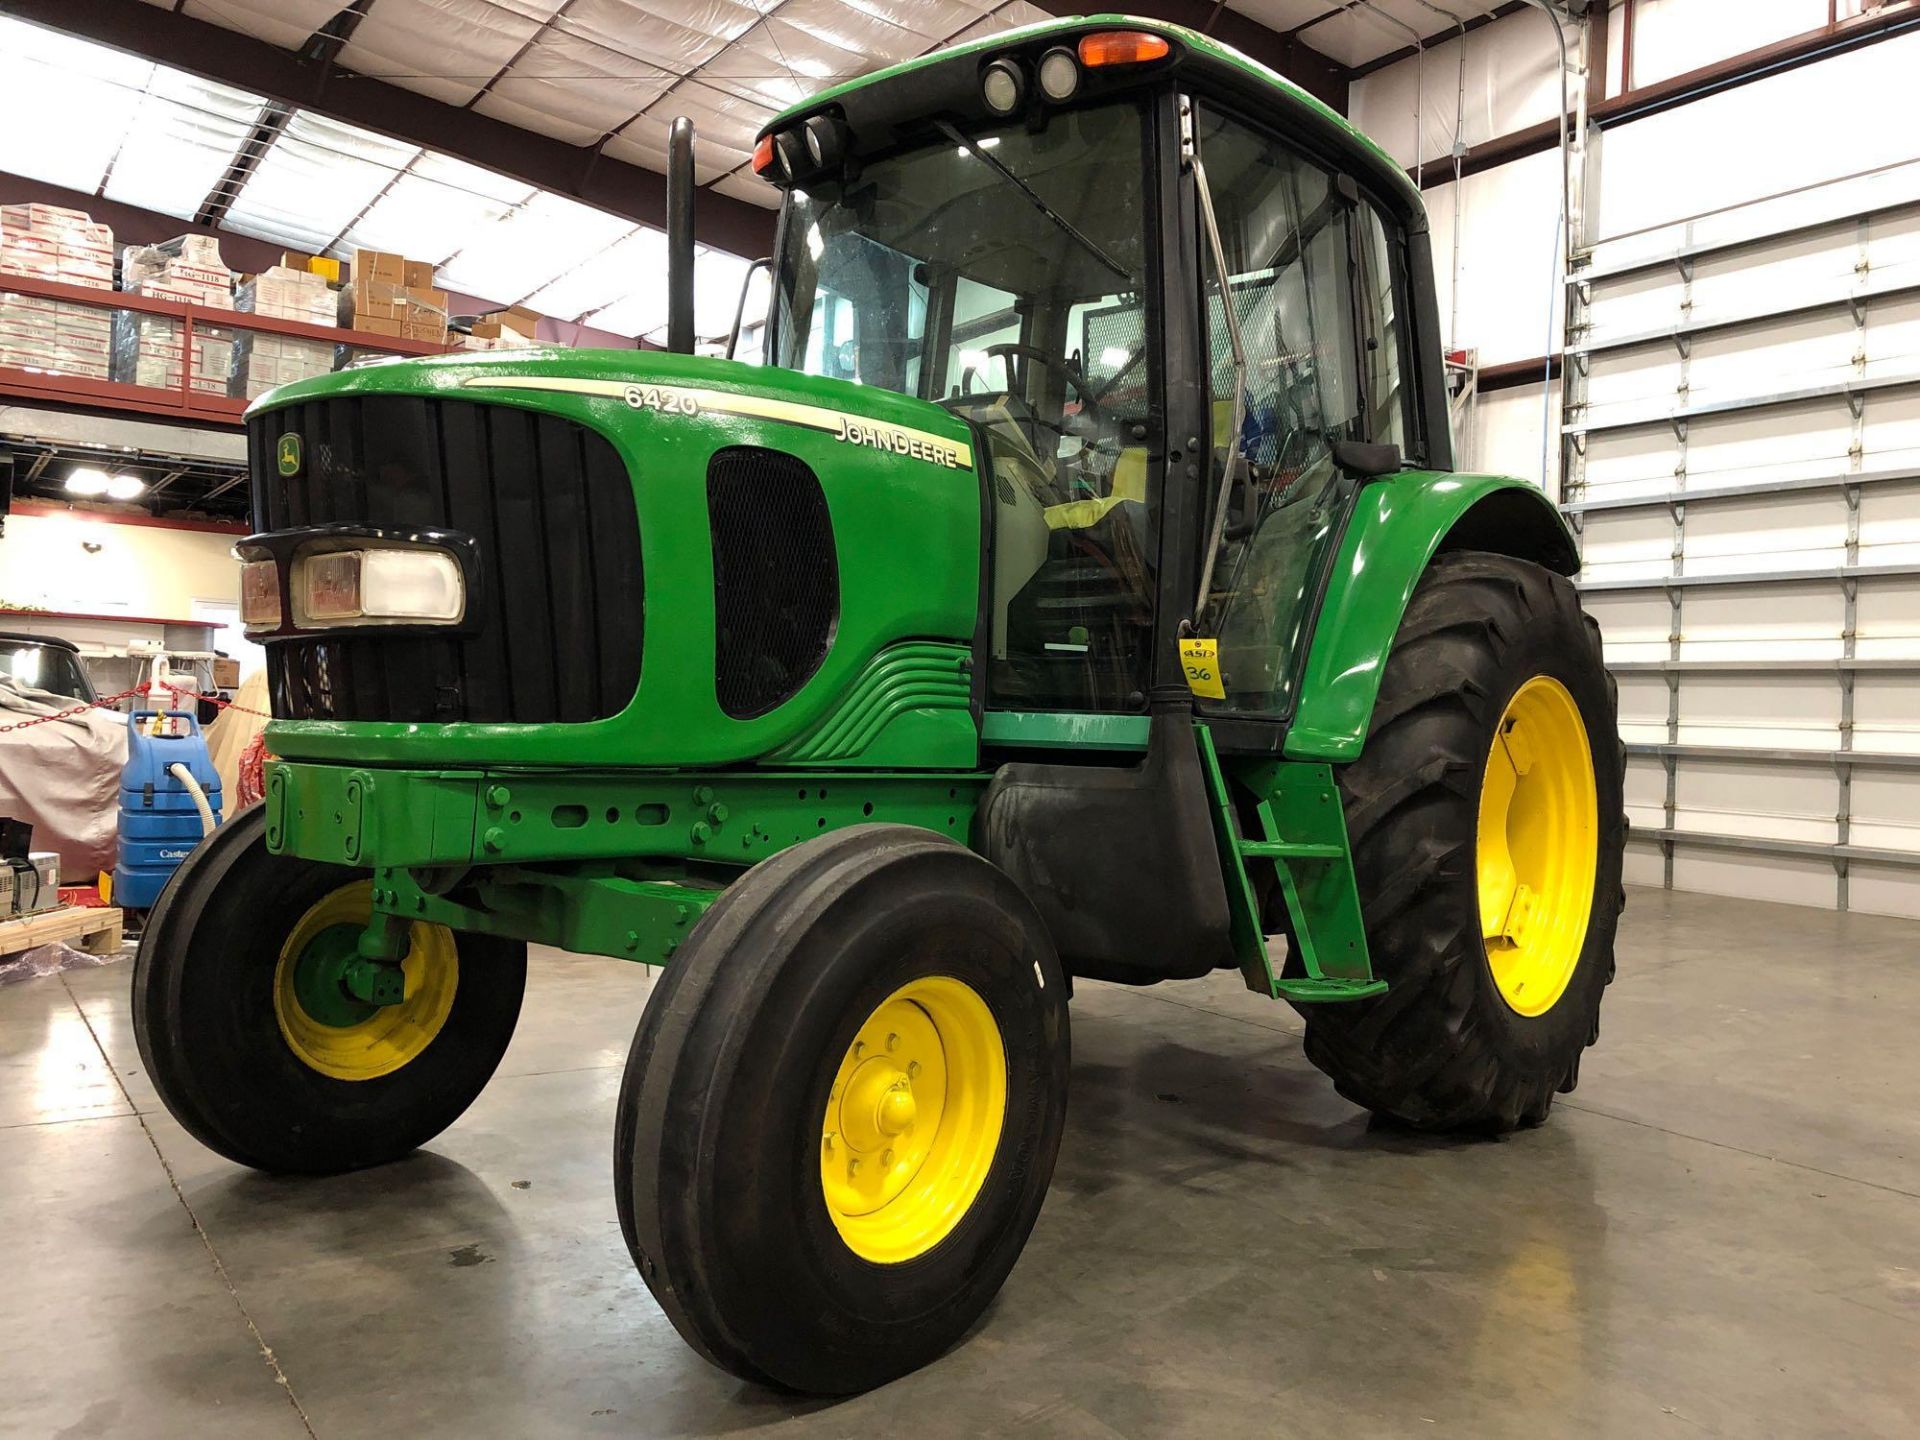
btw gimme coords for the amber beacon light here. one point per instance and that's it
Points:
(1121, 47)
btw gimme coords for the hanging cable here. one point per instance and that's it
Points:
(1562, 228)
(1457, 151)
(1381, 17)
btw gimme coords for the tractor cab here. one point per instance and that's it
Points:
(1160, 311)
(1004, 275)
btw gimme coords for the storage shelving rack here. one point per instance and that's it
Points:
(182, 402)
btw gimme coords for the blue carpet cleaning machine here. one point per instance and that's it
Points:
(169, 798)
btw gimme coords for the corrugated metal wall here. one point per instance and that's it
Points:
(1741, 444)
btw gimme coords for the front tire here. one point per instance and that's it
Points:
(842, 1108)
(1486, 821)
(263, 1060)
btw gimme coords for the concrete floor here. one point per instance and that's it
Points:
(1718, 1234)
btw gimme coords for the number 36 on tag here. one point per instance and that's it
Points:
(1201, 661)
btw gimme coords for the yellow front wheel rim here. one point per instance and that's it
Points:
(390, 1036)
(913, 1119)
(1539, 845)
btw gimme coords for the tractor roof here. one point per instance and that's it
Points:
(1204, 64)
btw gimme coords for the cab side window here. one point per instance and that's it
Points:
(1295, 260)
(1378, 273)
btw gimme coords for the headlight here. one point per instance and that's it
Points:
(260, 595)
(1001, 86)
(378, 587)
(1059, 74)
(826, 142)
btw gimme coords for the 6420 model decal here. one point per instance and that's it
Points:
(692, 401)
(664, 398)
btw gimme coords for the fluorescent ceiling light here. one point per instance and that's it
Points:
(125, 487)
(88, 480)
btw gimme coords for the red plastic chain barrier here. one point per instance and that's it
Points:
(250, 779)
(214, 700)
(108, 702)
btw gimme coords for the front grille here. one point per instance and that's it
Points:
(549, 503)
(776, 581)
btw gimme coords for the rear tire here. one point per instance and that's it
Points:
(260, 1081)
(732, 1126)
(1458, 1043)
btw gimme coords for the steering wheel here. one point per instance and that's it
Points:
(1028, 420)
(1092, 408)
(1089, 397)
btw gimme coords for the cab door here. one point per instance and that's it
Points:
(1318, 296)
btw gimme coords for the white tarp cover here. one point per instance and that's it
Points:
(63, 778)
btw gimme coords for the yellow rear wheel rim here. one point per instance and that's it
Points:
(913, 1120)
(392, 1036)
(1539, 845)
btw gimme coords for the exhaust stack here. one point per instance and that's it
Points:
(680, 236)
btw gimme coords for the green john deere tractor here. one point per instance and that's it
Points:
(1080, 587)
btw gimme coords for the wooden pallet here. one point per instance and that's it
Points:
(94, 929)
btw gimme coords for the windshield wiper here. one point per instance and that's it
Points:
(1065, 225)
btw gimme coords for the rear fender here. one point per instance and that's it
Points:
(1398, 525)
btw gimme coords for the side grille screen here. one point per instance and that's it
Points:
(776, 582)
(557, 627)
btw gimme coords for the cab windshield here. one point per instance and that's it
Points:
(1002, 273)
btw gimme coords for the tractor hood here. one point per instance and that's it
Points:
(667, 384)
(661, 383)
(663, 560)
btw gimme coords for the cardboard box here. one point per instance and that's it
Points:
(516, 321)
(202, 250)
(182, 293)
(36, 216)
(426, 315)
(288, 294)
(226, 674)
(188, 272)
(52, 242)
(264, 362)
(186, 269)
(393, 296)
(379, 267)
(149, 350)
(325, 267)
(54, 360)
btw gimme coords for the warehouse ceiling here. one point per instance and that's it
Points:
(161, 139)
(1359, 32)
(614, 73)
(604, 75)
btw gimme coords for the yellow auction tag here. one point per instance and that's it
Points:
(1201, 660)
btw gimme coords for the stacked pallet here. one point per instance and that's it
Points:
(150, 349)
(283, 292)
(59, 337)
(392, 295)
